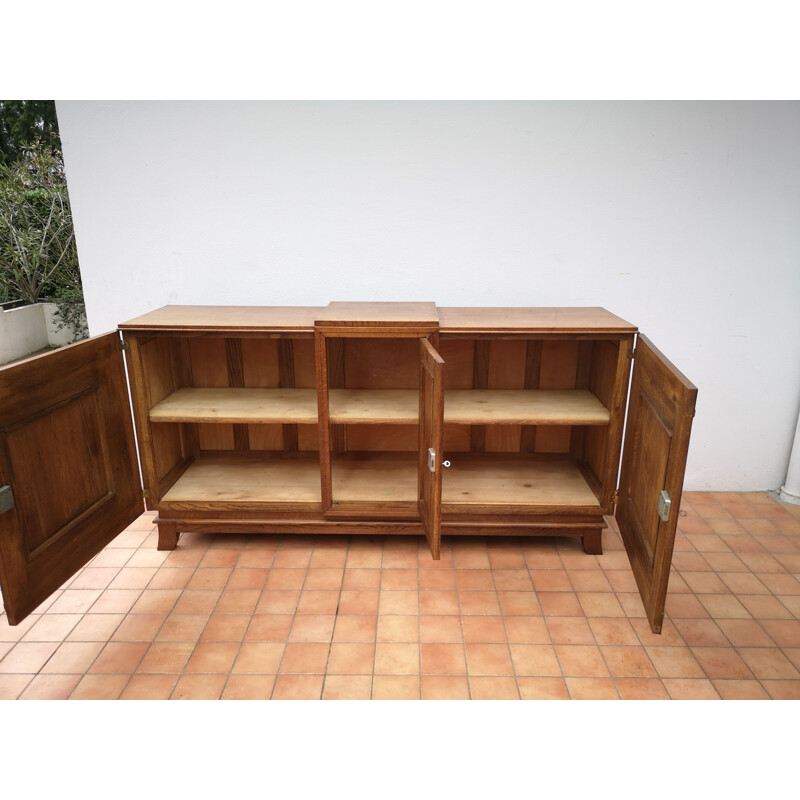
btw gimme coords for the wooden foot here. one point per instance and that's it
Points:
(593, 543)
(167, 535)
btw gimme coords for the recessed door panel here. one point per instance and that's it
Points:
(67, 454)
(660, 413)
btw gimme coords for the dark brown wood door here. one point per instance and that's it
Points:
(67, 453)
(659, 422)
(431, 424)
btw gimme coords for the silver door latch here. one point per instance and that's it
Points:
(664, 505)
(432, 460)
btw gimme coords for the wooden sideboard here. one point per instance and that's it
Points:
(380, 418)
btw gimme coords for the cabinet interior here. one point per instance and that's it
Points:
(232, 419)
(526, 420)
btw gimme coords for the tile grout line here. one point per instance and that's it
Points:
(503, 616)
(294, 616)
(335, 615)
(461, 620)
(252, 614)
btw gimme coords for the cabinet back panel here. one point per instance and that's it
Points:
(260, 363)
(381, 363)
(559, 364)
(457, 438)
(459, 356)
(382, 437)
(272, 437)
(209, 363)
(507, 359)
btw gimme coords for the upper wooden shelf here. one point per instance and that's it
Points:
(524, 407)
(377, 406)
(237, 406)
(471, 407)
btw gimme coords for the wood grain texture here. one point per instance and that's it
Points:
(531, 320)
(662, 403)
(257, 478)
(67, 450)
(431, 424)
(225, 319)
(506, 371)
(238, 406)
(481, 480)
(357, 314)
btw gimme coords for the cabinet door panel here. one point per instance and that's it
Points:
(67, 452)
(660, 412)
(431, 425)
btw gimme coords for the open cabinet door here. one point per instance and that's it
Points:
(431, 424)
(68, 471)
(659, 421)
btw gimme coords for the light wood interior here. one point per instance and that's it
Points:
(472, 479)
(525, 419)
(238, 405)
(471, 407)
(274, 478)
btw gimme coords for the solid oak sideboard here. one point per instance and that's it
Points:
(379, 418)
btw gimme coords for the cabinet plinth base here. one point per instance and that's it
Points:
(169, 529)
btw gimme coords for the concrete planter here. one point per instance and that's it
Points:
(28, 329)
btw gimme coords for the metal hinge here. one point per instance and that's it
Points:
(123, 344)
(6, 499)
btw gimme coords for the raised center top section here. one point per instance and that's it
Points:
(393, 315)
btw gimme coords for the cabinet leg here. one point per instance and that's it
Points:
(593, 542)
(167, 535)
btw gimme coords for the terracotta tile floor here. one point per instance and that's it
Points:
(252, 617)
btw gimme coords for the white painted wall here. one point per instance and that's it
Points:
(683, 218)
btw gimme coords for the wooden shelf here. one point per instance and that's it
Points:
(472, 479)
(471, 407)
(382, 406)
(275, 478)
(377, 477)
(374, 406)
(524, 407)
(237, 406)
(514, 479)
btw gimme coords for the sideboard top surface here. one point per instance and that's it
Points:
(532, 320)
(212, 318)
(572, 320)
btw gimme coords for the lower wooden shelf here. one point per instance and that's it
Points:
(479, 479)
(381, 478)
(273, 478)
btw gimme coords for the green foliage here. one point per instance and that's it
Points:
(71, 311)
(38, 256)
(23, 121)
